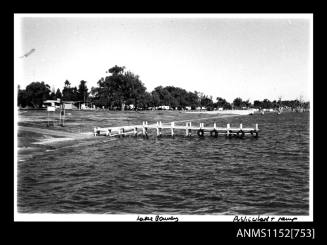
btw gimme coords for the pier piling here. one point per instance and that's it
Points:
(228, 130)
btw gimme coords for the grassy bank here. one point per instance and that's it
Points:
(85, 121)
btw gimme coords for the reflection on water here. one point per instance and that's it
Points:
(180, 175)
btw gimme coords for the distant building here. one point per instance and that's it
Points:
(188, 108)
(52, 103)
(87, 106)
(164, 107)
(70, 105)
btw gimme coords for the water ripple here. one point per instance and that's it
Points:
(177, 176)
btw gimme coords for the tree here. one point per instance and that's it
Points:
(22, 98)
(174, 97)
(237, 102)
(178, 97)
(192, 99)
(164, 96)
(274, 104)
(67, 84)
(116, 70)
(53, 95)
(222, 103)
(119, 88)
(266, 104)
(82, 91)
(257, 104)
(36, 93)
(155, 98)
(145, 100)
(135, 92)
(99, 96)
(58, 94)
(68, 93)
(246, 103)
(74, 94)
(207, 102)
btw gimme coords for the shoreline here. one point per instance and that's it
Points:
(224, 112)
(55, 136)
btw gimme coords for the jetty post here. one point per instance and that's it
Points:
(120, 132)
(228, 129)
(241, 126)
(143, 128)
(157, 129)
(146, 128)
(172, 128)
(186, 129)
(256, 127)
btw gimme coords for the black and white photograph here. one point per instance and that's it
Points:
(163, 117)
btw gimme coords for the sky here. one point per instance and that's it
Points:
(252, 57)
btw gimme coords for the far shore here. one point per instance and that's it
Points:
(225, 112)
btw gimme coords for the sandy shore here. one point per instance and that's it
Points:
(60, 135)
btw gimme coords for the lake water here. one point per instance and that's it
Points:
(180, 175)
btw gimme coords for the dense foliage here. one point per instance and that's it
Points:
(34, 94)
(122, 89)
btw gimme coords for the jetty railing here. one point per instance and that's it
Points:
(188, 128)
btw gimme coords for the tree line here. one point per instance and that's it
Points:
(121, 88)
(37, 92)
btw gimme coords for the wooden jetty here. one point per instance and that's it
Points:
(200, 130)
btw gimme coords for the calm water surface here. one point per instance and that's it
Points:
(180, 175)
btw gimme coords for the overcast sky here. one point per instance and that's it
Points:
(251, 58)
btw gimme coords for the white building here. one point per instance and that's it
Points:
(52, 103)
(164, 107)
